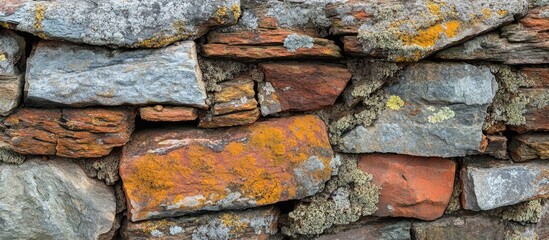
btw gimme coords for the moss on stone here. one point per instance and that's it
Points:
(346, 197)
(215, 71)
(525, 212)
(8, 156)
(455, 202)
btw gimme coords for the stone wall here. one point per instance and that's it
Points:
(274, 119)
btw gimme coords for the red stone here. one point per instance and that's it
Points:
(168, 114)
(418, 187)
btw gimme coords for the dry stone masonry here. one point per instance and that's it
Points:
(274, 119)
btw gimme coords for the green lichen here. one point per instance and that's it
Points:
(442, 115)
(8, 156)
(215, 71)
(455, 202)
(394, 102)
(346, 197)
(525, 212)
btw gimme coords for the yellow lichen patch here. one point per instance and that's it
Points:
(234, 223)
(235, 9)
(486, 13)
(5, 25)
(452, 28)
(434, 9)
(395, 102)
(39, 16)
(220, 14)
(3, 57)
(502, 12)
(425, 38)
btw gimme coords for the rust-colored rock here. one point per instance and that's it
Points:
(71, 133)
(539, 77)
(418, 187)
(295, 86)
(529, 146)
(229, 120)
(496, 146)
(235, 95)
(536, 112)
(178, 171)
(322, 49)
(161, 113)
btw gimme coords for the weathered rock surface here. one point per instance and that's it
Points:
(370, 230)
(537, 76)
(229, 120)
(12, 55)
(179, 171)
(434, 110)
(259, 223)
(417, 187)
(476, 227)
(529, 146)
(53, 200)
(409, 31)
(161, 113)
(71, 133)
(536, 109)
(491, 184)
(79, 76)
(526, 42)
(132, 23)
(496, 146)
(300, 87)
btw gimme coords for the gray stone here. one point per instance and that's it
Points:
(53, 200)
(370, 230)
(131, 23)
(434, 110)
(477, 227)
(491, 184)
(12, 55)
(62, 74)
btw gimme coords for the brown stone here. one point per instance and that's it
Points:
(496, 146)
(539, 77)
(229, 120)
(529, 146)
(476, 227)
(322, 49)
(235, 95)
(172, 172)
(259, 223)
(369, 229)
(168, 114)
(352, 46)
(536, 112)
(73, 133)
(295, 86)
(418, 187)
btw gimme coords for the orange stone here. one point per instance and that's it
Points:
(418, 187)
(324, 49)
(168, 114)
(168, 173)
(229, 120)
(539, 77)
(74, 133)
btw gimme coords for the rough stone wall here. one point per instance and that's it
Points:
(274, 119)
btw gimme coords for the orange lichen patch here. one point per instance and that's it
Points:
(434, 9)
(235, 9)
(486, 13)
(206, 168)
(428, 37)
(39, 15)
(502, 12)
(220, 14)
(452, 28)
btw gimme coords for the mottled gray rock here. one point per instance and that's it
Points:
(77, 76)
(131, 23)
(53, 200)
(259, 223)
(477, 227)
(434, 110)
(12, 55)
(491, 184)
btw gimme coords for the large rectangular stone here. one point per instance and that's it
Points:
(172, 172)
(63, 74)
(491, 184)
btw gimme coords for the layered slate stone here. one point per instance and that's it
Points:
(53, 200)
(476, 227)
(434, 110)
(172, 172)
(292, 86)
(535, 111)
(133, 23)
(410, 31)
(529, 146)
(369, 229)
(71, 133)
(525, 42)
(417, 187)
(161, 113)
(12, 56)
(491, 184)
(78, 76)
(258, 223)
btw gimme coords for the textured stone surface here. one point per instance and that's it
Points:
(161, 113)
(293, 86)
(53, 200)
(417, 187)
(526, 42)
(491, 184)
(434, 110)
(12, 55)
(78, 76)
(257, 223)
(179, 171)
(132, 23)
(370, 230)
(496, 146)
(529, 146)
(68, 132)
(229, 120)
(460, 227)
(409, 31)
(535, 110)
(537, 76)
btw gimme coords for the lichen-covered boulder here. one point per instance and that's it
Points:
(434, 109)
(132, 23)
(172, 172)
(53, 200)
(62, 74)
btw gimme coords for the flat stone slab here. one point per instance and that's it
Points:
(131, 23)
(434, 110)
(257, 223)
(172, 172)
(12, 56)
(63, 74)
(53, 200)
(492, 184)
